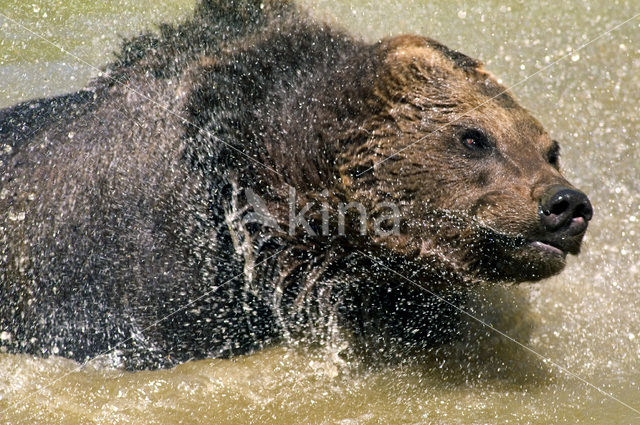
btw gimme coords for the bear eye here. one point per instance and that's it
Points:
(553, 156)
(475, 140)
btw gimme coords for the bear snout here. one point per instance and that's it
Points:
(564, 215)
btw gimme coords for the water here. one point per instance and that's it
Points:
(586, 321)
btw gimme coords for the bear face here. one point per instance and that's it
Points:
(476, 176)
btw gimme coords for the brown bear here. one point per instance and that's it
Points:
(251, 175)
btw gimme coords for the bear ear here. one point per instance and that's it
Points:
(459, 60)
(412, 48)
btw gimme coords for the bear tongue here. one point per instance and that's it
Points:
(546, 247)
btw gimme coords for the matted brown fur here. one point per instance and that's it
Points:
(126, 226)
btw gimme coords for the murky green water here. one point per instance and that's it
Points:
(587, 320)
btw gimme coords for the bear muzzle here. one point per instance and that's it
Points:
(564, 215)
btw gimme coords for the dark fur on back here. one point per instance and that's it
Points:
(128, 206)
(125, 225)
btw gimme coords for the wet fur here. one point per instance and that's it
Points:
(117, 211)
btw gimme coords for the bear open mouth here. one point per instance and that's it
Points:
(534, 242)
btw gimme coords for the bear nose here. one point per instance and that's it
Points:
(562, 208)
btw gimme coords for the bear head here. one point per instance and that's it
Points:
(475, 177)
